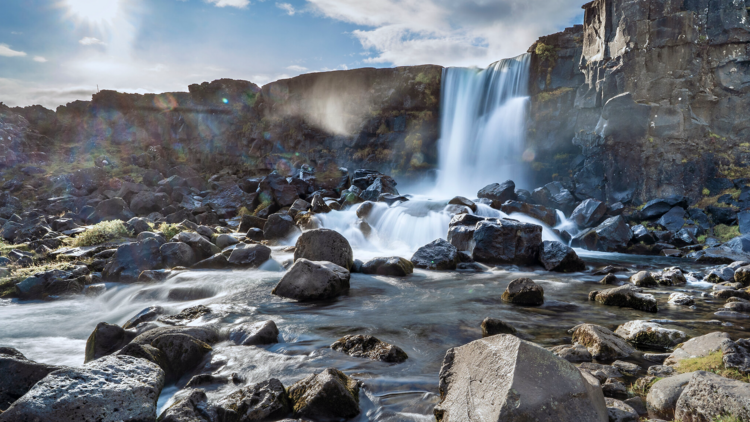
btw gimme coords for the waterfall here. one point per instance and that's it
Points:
(483, 125)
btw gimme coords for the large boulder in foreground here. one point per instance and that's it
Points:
(110, 389)
(364, 346)
(504, 378)
(561, 258)
(324, 245)
(709, 396)
(436, 255)
(507, 242)
(313, 280)
(18, 375)
(329, 395)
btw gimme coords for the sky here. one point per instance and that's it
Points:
(56, 51)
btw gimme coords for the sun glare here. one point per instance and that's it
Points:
(93, 11)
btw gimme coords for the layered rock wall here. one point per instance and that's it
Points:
(648, 98)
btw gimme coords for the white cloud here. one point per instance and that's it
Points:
(40, 59)
(240, 4)
(6, 51)
(296, 68)
(448, 32)
(288, 8)
(90, 41)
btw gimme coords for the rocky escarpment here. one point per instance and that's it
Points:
(386, 118)
(645, 99)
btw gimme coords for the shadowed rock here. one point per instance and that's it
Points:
(312, 280)
(328, 395)
(364, 346)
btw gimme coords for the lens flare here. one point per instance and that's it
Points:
(93, 11)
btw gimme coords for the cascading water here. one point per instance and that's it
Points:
(483, 115)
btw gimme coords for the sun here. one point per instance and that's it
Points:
(93, 11)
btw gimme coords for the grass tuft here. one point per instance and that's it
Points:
(726, 233)
(711, 363)
(170, 230)
(101, 233)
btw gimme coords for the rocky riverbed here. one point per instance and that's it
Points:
(366, 305)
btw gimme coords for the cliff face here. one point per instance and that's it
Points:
(386, 119)
(646, 99)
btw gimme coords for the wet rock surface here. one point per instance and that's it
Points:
(365, 346)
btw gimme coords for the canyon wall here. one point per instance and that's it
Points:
(647, 98)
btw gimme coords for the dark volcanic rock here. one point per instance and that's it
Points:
(658, 207)
(18, 375)
(364, 346)
(589, 213)
(313, 280)
(324, 245)
(558, 257)
(329, 395)
(255, 333)
(540, 212)
(110, 209)
(177, 254)
(279, 227)
(393, 266)
(673, 220)
(107, 339)
(250, 255)
(523, 291)
(507, 242)
(493, 327)
(133, 258)
(627, 296)
(267, 400)
(436, 255)
(498, 193)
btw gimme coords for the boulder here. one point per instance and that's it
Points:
(627, 296)
(193, 407)
(599, 371)
(697, 347)
(541, 213)
(573, 353)
(670, 277)
(588, 213)
(182, 352)
(523, 291)
(144, 203)
(254, 333)
(110, 209)
(133, 258)
(614, 389)
(619, 411)
(681, 299)
(436, 255)
(650, 334)
(313, 280)
(673, 220)
(324, 245)
(742, 275)
(18, 375)
(493, 327)
(709, 396)
(224, 241)
(279, 227)
(736, 355)
(663, 395)
(498, 193)
(137, 225)
(328, 395)
(251, 222)
(657, 207)
(267, 400)
(507, 242)
(364, 346)
(460, 200)
(504, 378)
(602, 343)
(110, 389)
(381, 185)
(393, 266)
(177, 254)
(53, 284)
(250, 256)
(146, 315)
(300, 205)
(462, 237)
(643, 279)
(558, 257)
(200, 245)
(319, 206)
(106, 339)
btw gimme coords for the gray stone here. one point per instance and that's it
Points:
(507, 242)
(267, 400)
(436, 255)
(619, 411)
(225, 240)
(393, 266)
(18, 375)
(364, 346)
(558, 257)
(177, 254)
(254, 333)
(588, 213)
(329, 395)
(650, 334)
(615, 389)
(709, 396)
(193, 407)
(313, 280)
(663, 395)
(574, 353)
(250, 256)
(201, 246)
(492, 327)
(106, 339)
(661, 371)
(523, 291)
(599, 371)
(681, 299)
(643, 279)
(279, 227)
(131, 259)
(602, 343)
(324, 245)
(110, 389)
(698, 347)
(736, 355)
(504, 378)
(627, 296)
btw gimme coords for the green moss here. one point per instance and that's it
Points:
(641, 386)
(701, 238)
(102, 232)
(706, 192)
(552, 95)
(714, 362)
(169, 230)
(726, 233)
(726, 418)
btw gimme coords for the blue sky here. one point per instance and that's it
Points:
(56, 51)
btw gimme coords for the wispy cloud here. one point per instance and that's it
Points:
(288, 8)
(240, 4)
(40, 59)
(296, 68)
(6, 51)
(90, 41)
